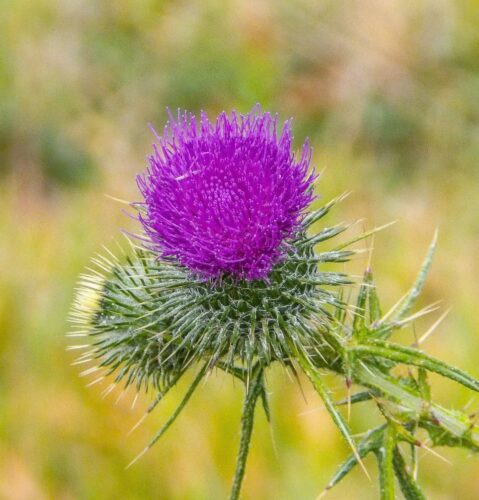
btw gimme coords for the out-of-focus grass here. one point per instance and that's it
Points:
(387, 91)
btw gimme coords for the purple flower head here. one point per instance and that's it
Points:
(224, 197)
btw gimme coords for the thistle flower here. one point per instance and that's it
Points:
(229, 276)
(226, 258)
(225, 197)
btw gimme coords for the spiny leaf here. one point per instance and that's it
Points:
(328, 279)
(332, 256)
(361, 303)
(175, 414)
(411, 297)
(441, 436)
(369, 443)
(412, 356)
(315, 378)
(323, 235)
(363, 236)
(373, 301)
(450, 426)
(164, 391)
(316, 215)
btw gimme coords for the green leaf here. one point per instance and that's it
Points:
(265, 402)
(445, 427)
(360, 313)
(175, 414)
(369, 443)
(325, 234)
(411, 297)
(164, 391)
(323, 391)
(334, 256)
(327, 279)
(413, 356)
(316, 215)
(375, 313)
(442, 437)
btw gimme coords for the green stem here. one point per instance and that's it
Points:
(247, 420)
(385, 462)
(408, 484)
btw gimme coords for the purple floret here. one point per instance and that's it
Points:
(223, 197)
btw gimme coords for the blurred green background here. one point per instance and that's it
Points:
(388, 91)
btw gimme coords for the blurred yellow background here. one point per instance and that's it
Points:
(388, 92)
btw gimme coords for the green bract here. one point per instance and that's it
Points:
(153, 318)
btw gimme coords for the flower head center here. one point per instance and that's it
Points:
(223, 197)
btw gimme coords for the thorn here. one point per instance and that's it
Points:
(117, 199)
(393, 308)
(142, 419)
(367, 234)
(361, 463)
(348, 385)
(473, 418)
(137, 457)
(359, 434)
(120, 396)
(370, 257)
(320, 174)
(415, 472)
(323, 493)
(89, 371)
(433, 327)
(99, 379)
(468, 404)
(108, 390)
(416, 340)
(311, 411)
(135, 399)
(273, 441)
(423, 312)
(113, 256)
(207, 375)
(76, 347)
(435, 453)
(81, 361)
(301, 390)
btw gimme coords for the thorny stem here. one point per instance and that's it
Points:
(253, 392)
(385, 455)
